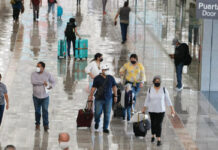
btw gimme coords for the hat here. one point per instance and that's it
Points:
(104, 67)
(175, 40)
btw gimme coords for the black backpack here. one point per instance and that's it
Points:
(69, 32)
(188, 58)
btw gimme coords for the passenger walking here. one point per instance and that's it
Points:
(42, 82)
(104, 3)
(35, 4)
(155, 102)
(134, 73)
(70, 34)
(123, 12)
(51, 7)
(17, 6)
(104, 84)
(93, 69)
(181, 52)
(64, 139)
(128, 102)
(3, 98)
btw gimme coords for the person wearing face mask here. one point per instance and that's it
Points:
(93, 68)
(63, 140)
(180, 55)
(103, 85)
(42, 82)
(134, 73)
(3, 98)
(156, 100)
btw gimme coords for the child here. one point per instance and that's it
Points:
(128, 102)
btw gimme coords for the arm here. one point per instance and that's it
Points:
(92, 93)
(168, 102)
(142, 76)
(88, 71)
(51, 80)
(118, 13)
(114, 88)
(77, 33)
(36, 82)
(146, 104)
(7, 101)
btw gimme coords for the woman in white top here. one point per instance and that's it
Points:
(93, 69)
(156, 101)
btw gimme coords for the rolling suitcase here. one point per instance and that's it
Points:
(79, 70)
(118, 111)
(85, 116)
(140, 128)
(62, 48)
(81, 50)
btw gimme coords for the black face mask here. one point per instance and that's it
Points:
(133, 62)
(101, 59)
(156, 84)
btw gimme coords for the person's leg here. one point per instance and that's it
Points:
(34, 12)
(159, 118)
(45, 104)
(128, 113)
(104, 2)
(53, 9)
(68, 47)
(124, 113)
(122, 31)
(153, 123)
(37, 12)
(125, 31)
(74, 46)
(2, 107)
(107, 113)
(135, 90)
(49, 8)
(37, 106)
(18, 14)
(98, 111)
(14, 14)
(179, 68)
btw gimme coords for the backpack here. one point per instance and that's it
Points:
(188, 60)
(69, 32)
(51, 1)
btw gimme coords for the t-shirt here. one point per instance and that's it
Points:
(70, 31)
(180, 53)
(3, 91)
(124, 14)
(35, 2)
(99, 81)
(94, 69)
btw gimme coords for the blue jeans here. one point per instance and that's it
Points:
(38, 104)
(51, 6)
(69, 46)
(124, 31)
(179, 68)
(105, 106)
(2, 107)
(128, 112)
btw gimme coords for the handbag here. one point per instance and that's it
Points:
(100, 90)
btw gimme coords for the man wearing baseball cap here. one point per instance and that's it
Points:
(103, 84)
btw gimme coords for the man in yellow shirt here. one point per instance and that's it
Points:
(134, 74)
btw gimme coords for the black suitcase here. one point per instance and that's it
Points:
(140, 128)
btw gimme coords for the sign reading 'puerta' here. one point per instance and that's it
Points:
(207, 9)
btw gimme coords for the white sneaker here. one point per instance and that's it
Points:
(179, 89)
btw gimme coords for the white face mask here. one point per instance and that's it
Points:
(64, 145)
(107, 72)
(38, 69)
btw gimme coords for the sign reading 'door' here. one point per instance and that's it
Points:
(207, 9)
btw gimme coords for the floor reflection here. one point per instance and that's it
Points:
(79, 17)
(84, 139)
(41, 144)
(14, 36)
(35, 39)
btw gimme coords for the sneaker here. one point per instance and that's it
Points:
(46, 128)
(96, 126)
(179, 89)
(106, 131)
(37, 127)
(123, 42)
(159, 143)
(152, 139)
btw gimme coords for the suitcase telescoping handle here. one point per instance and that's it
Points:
(87, 105)
(140, 113)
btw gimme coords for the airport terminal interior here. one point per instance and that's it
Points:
(153, 24)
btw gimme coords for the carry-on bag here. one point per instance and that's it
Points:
(118, 110)
(59, 11)
(140, 127)
(81, 50)
(62, 48)
(85, 116)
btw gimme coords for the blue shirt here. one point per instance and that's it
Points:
(110, 83)
(3, 91)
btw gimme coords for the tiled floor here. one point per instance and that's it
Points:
(26, 43)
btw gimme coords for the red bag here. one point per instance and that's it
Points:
(85, 116)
